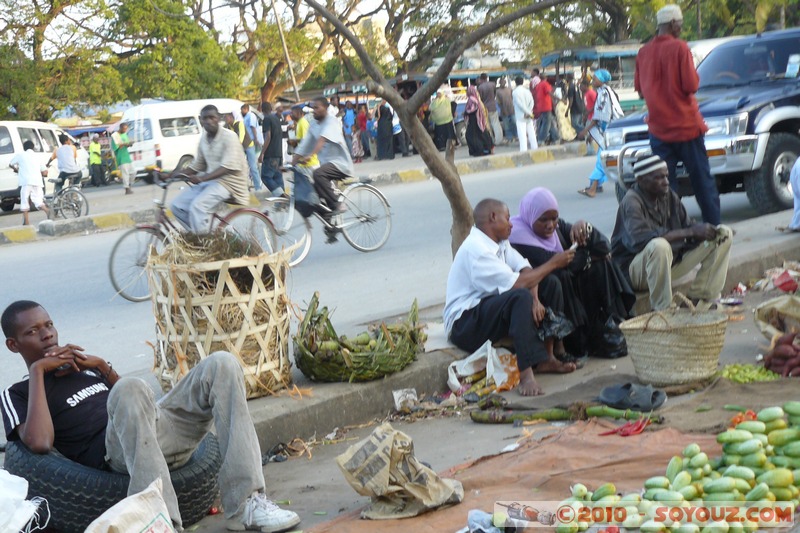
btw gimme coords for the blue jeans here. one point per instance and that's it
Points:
(547, 129)
(510, 126)
(695, 159)
(271, 175)
(252, 162)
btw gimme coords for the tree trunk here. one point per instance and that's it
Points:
(268, 89)
(445, 172)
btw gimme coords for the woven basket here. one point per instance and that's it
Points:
(237, 305)
(675, 346)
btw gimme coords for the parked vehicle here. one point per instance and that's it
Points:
(45, 139)
(166, 134)
(749, 97)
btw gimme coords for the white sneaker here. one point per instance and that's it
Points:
(261, 514)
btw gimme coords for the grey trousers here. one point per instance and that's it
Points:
(195, 206)
(146, 438)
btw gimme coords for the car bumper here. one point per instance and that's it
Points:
(726, 155)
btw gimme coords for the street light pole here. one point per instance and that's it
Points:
(286, 51)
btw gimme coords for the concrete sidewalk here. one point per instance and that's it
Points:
(756, 247)
(110, 209)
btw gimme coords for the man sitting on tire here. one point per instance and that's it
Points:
(325, 140)
(77, 404)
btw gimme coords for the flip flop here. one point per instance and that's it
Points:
(633, 396)
(585, 192)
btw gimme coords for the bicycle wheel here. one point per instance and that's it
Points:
(126, 266)
(367, 222)
(72, 204)
(251, 225)
(291, 228)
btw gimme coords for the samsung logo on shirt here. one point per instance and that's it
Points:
(91, 390)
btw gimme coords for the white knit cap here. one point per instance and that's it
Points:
(648, 164)
(668, 13)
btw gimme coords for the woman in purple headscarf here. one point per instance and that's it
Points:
(479, 140)
(593, 287)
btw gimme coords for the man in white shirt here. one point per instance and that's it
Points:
(325, 139)
(219, 173)
(492, 293)
(30, 172)
(523, 114)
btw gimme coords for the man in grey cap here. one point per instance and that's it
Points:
(655, 241)
(666, 78)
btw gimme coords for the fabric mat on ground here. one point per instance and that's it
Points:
(704, 411)
(543, 471)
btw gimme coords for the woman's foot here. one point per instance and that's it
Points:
(588, 191)
(554, 366)
(527, 384)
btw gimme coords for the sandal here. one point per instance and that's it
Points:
(587, 192)
(633, 396)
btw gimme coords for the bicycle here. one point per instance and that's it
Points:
(126, 266)
(68, 202)
(365, 220)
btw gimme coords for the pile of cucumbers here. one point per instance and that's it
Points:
(760, 466)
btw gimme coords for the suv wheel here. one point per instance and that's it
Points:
(7, 207)
(768, 187)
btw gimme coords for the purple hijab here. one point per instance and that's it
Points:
(533, 205)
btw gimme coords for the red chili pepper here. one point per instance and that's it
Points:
(629, 428)
(213, 511)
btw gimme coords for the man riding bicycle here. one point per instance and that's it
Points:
(219, 172)
(325, 140)
(67, 156)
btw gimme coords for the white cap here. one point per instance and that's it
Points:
(668, 13)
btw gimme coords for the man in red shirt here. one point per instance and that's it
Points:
(667, 79)
(589, 98)
(543, 111)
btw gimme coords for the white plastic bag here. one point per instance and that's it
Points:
(144, 512)
(484, 357)
(15, 511)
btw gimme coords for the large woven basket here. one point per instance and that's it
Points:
(237, 305)
(675, 346)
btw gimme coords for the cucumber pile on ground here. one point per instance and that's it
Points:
(760, 465)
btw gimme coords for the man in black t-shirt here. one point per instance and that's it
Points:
(271, 155)
(77, 404)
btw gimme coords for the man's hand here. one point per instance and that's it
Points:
(580, 232)
(703, 232)
(60, 356)
(196, 178)
(562, 259)
(261, 158)
(538, 311)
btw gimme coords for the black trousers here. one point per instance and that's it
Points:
(509, 314)
(323, 184)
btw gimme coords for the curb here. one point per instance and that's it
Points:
(109, 221)
(335, 405)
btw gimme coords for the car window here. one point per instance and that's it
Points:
(140, 130)
(746, 62)
(6, 146)
(175, 127)
(29, 134)
(48, 140)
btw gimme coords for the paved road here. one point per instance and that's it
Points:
(68, 275)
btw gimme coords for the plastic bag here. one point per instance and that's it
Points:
(15, 511)
(501, 367)
(143, 512)
(555, 325)
(305, 198)
(610, 341)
